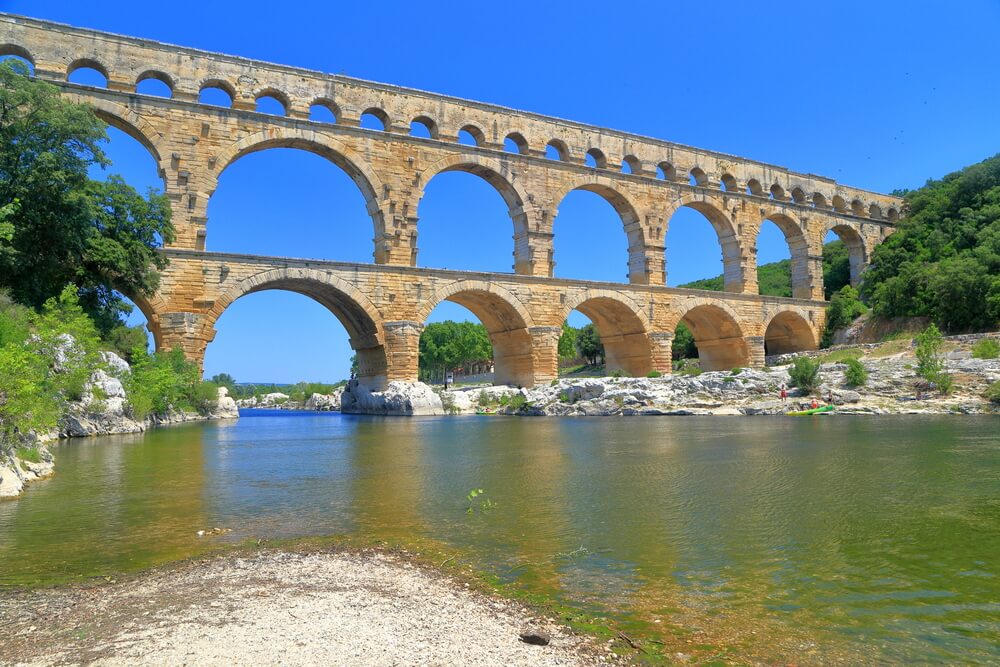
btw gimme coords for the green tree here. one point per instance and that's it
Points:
(856, 374)
(844, 308)
(943, 261)
(58, 226)
(588, 344)
(225, 380)
(567, 342)
(452, 345)
(684, 346)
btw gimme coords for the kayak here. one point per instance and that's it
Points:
(814, 411)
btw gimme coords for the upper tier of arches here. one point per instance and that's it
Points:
(57, 50)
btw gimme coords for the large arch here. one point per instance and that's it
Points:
(312, 142)
(623, 326)
(734, 278)
(717, 333)
(501, 177)
(356, 313)
(857, 252)
(506, 319)
(636, 261)
(788, 331)
(798, 247)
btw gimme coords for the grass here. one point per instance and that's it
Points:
(840, 356)
(890, 348)
(30, 454)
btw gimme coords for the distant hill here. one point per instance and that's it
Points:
(775, 278)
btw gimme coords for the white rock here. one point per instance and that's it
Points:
(399, 398)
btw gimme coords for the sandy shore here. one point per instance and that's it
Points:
(289, 608)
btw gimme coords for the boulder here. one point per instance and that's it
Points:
(324, 402)
(226, 406)
(398, 398)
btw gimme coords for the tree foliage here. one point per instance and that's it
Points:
(684, 346)
(58, 226)
(844, 308)
(588, 344)
(804, 373)
(943, 261)
(448, 346)
(567, 342)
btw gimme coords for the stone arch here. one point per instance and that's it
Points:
(150, 306)
(475, 132)
(329, 105)
(353, 309)
(633, 164)
(17, 50)
(88, 63)
(857, 250)
(788, 331)
(597, 155)
(121, 117)
(727, 183)
(734, 277)
(623, 325)
(380, 114)
(517, 138)
(159, 76)
(354, 165)
(221, 84)
(428, 122)
(506, 320)
(755, 188)
(604, 187)
(718, 333)
(798, 247)
(497, 173)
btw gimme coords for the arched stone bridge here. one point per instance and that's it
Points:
(383, 305)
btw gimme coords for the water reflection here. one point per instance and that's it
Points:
(881, 532)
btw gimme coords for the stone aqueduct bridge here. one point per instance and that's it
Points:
(383, 305)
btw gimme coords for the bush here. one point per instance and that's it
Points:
(987, 348)
(929, 363)
(518, 401)
(617, 373)
(165, 381)
(856, 373)
(844, 308)
(804, 373)
(993, 393)
(654, 374)
(944, 382)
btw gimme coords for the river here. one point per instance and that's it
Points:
(873, 538)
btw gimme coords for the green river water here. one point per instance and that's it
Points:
(870, 538)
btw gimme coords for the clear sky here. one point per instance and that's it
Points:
(879, 95)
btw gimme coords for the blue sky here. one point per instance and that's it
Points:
(877, 95)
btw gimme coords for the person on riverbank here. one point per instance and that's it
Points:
(783, 393)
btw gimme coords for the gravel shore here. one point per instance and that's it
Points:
(281, 608)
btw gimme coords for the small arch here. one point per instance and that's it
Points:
(755, 188)
(323, 110)
(798, 196)
(698, 177)
(839, 204)
(717, 335)
(557, 150)
(217, 92)
(473, 132)
(798, 248)
(424, 126)
(515, 143)
(777, 192)
(18, 52)
(819, 201)
(875, 212)
(728, 183)
(892, 215)
(631, 165)
(273, 102)
(666, 171)
(374, 119)
(154, 83)
(87, 72)
(788, 331)
(856, 251)
(596, 159)
(858, 208)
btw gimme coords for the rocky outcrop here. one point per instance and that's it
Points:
(324, 402)
(103, 409)
(274, 400)
(398, 398)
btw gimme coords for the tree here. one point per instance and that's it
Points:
(225, 380)
(588, 344)
(59, 227)
(684, 346)
(452, 345)
(567, 342)
(804, 373)
(943, 261)
(844, 308)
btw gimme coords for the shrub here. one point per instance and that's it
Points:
(844, 308)
(617, 373)
(856, 373)
(30, 454)
(518, 401)
(929, 363)
(654, 374)
(987, 348)
(993, 393)
(944, 382)
(804, 373)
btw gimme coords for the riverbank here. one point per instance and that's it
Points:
(363, 607)
(102, 409)
(892, 387)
